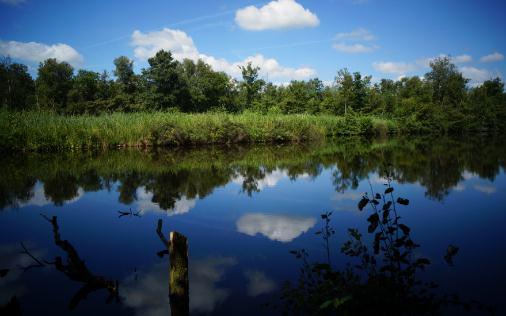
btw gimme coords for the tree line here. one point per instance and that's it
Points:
(439, 101)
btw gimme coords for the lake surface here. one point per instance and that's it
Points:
(242, 209)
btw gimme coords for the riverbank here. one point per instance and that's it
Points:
(41, 131)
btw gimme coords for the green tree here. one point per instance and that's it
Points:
(344, 81)
(208, 89)
(53, 83)
(250, 84)
(167, 87)
(448, 84)
(17, 88)
(124, 72)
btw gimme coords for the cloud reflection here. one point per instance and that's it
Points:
(148, 292)
(283, 228)
(258, 283)
(144, 204)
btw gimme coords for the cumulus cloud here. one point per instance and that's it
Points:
(476, 75)
(360, 34)
(492, 57)
(145, 204)
(354, 48)
(399, 68)
(281, 228)
(258, 283)
(37, 52)
(147, 293)
(182, 46)
(278, 14)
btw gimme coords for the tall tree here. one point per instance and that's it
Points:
(251, 84)
(17, 88)
(344, 81)
(165, 79)
(448, 84)
(53, 83)
(124, 72)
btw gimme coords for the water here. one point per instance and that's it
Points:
(243, 210)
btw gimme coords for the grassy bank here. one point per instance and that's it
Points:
(46, 131)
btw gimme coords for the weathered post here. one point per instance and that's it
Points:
(178, 275)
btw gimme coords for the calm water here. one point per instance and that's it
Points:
(242, 210)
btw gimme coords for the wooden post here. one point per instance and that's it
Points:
(178, 275)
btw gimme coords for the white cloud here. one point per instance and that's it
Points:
(354, 48)
(13, 2)
(461, 59)
(145, 204)
(476, 75)
(360, 34)
(37, 52)
(182, 46)
(148, 292)
(281, 228)
(278, 14)
(258, 283)
(399, 68)
(492, 57)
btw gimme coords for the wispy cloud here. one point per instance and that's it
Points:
(354, 48)
(361, 34)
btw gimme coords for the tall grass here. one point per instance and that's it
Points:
(47, 131)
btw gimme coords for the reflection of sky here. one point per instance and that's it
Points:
(144, 204)
(147, 292)
(40, 199)
(284, 228)
(270, 179)
(13, 259)
(259, 231)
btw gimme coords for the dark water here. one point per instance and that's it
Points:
(242, 210)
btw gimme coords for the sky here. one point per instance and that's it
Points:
(287, 39)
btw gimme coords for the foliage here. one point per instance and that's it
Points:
(379, 279)
(441, 102)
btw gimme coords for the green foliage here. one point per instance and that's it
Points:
(441, 102)
(17, 88)
(53, 84)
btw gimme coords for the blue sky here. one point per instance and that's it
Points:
(288, 39)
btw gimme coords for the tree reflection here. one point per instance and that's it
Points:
(437, 164)
(76, 270)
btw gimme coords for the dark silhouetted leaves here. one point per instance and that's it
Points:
(405, 229)
(389, 190)
(363, 202)
(374, 221)
(451, 252)
(403, 201)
